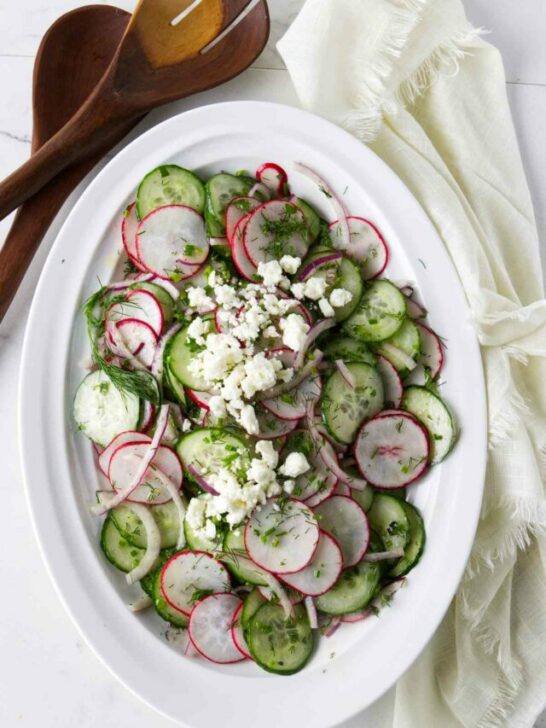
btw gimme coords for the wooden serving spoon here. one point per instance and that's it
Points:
(71, 60)
(171, 49)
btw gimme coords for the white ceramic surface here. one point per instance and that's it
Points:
(360, 662)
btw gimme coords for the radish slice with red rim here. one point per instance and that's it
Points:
(124, 463)
(367, 247)
(129, 226)
(392, 384)
(274, 178)
(188, 573)
(272, 427)
(261, 242)
(147, 416)
(324, 493)
(282, 537)
(238, 208)
(342, 489)
(170, 239)
(139, 305)
(432, 355)
(392, 450)
(356, 616)
(237, 634)
(139, 338)
(201, 399)
(323, 571)
(122, 439)
(242, 262)
(291, 405)
(346, 521)
(210, 628)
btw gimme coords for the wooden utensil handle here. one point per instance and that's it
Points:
(94, 127)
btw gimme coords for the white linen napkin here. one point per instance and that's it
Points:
(416, 82)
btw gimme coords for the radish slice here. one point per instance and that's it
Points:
(153, 544)
(139, 338)
(392, 384)
(392, 450)
(210, 628)
(121, 439)
(324, 493)
(189, 572)
(272, 427)
(323, 571)
(345, 520)
(238, 208)
(165, 458)
(170, 239)
(124, 463)
(318, 481)
(338, 208)
(282, 538)
(201, 399)
(140, 473)
(242, 262)
(274, 178)
(139, 305)
(148, 414)
(342, 489)
(356, 616)
(432, 355)
(129, 225)
(237, 634)
(367, 247)
(260, 239)
(291, 405)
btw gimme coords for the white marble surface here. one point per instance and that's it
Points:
(49, 677)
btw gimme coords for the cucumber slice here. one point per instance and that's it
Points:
(380, 312)
(350, 279)
(353, 591)
(119, 552)
(162, 606)
(253, 601)
(344, 407)
(408, 340)
(178, 354)
(388, 519)
(364, 498)
(279, 644)
(130, 526)
(147, 582)
(237, 561)
(165, 299)
(207, 449)
(169, 184)
(347, 349)
(435, 416)
(311, 217)
(174, 387)
(102, 411)
(416, 542)
(220, 191)
(196, 542)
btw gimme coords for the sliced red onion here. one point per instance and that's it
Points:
(130, 281)
(167, 286)
(279, 592)
(161, 425)
(314, 332)
(296, 379)
(385, 594)
(311, 612)
(345, 373)
(338, 208)
(139, 604)
(219, 242)
(261, 191)
(332, 628)
(157, 363)
(384, 555)
(394, 351)
(153, 544)
(318, 262)
(201, 480)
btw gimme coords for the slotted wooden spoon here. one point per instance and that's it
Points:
(63, 79)
(170, 50)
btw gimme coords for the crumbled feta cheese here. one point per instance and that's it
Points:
(271, 272)
(267, 452)
(285, 375)
(261, 374)
(248, 420)
(325, 308)
(211, 280)
(226, 296)
(197, 298)
(196, 512)
(217, 406)
(314, 288)
(298, 290)
(340, 297)
(186, 425)
(290, 263)
(270, 332)
(294, 465)
(196, 329)
(288, 486)
(294, 328)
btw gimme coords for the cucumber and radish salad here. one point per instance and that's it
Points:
(260, 397)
